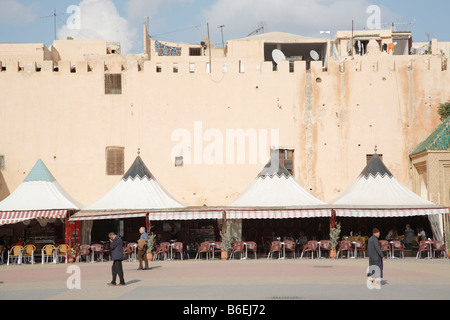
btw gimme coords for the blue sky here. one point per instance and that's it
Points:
(185, 20)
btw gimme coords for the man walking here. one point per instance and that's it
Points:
(117, 257)
(376, 257)
(142, 249)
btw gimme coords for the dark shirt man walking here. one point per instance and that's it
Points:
(117, 257)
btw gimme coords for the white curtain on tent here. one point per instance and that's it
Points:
(86, 228)
(436, 226)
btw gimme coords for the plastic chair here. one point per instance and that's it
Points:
(438, 246)
(204, 247)
(162, 249)
(423, 246)
(217, 248)
(289, 246)
(345, 245)
(127, 252)
(398, 246)
(252, 247)
(177, 247)
(238, 247)
(47, 252)
(28, 253)
(275, 246)
(385, 247)
(133, 247)
(63, 252)
(311, 246)
(360, 247)
(83, 250)
(14, 254)
(107, 249)
(325, 246)
(97, 249)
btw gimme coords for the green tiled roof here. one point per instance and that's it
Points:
(39, 173)
(438, 140)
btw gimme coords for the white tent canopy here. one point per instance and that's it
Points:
(137, 193)
(276, 194)
(39, 196)
(377, 193)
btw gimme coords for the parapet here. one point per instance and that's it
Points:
(174, 67)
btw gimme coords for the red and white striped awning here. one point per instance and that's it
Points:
(278, 213)
(8, 217)
(387, 213)
(185, 215)
(153, 215)
(106, 215)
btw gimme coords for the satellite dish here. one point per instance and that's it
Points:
(314, 55)
(278, 55)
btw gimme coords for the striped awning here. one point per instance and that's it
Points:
(387, 212)
(153, 215)
(9, 217)
(185, 215)
(278, 213)
(106, 215)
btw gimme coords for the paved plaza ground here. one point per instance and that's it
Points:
(260, 279)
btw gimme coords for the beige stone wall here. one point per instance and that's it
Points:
(332, 118)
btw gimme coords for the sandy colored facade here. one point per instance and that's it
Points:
(53, 106)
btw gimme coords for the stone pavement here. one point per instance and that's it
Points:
(262, 279)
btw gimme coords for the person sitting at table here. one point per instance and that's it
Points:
(392, 234)
(421, 234)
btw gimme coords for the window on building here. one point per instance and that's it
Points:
(2, 162)
(113, 83)
(175, 68)
(191, 67)
(195, 51)
(115, 160)
(241, 67)
(158, 67)
(179, 161)
(286, 157)
(369, 157)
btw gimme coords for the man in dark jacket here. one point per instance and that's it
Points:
(376, 256)
(117, 257)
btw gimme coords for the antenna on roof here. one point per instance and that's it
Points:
(221, 30)
(261, 29)
(395, 25)
(54, 15)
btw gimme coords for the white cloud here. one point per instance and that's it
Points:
(303, 17)
(100, 20)
(14, 12)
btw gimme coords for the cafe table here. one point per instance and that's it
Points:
(430, 243)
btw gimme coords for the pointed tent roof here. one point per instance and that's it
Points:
(275, 193)
(377, 193)
(134, 195)
(439, 139)
(38, 196)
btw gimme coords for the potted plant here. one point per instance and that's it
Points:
(150, 246)
(334, 239)
(226, 243)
